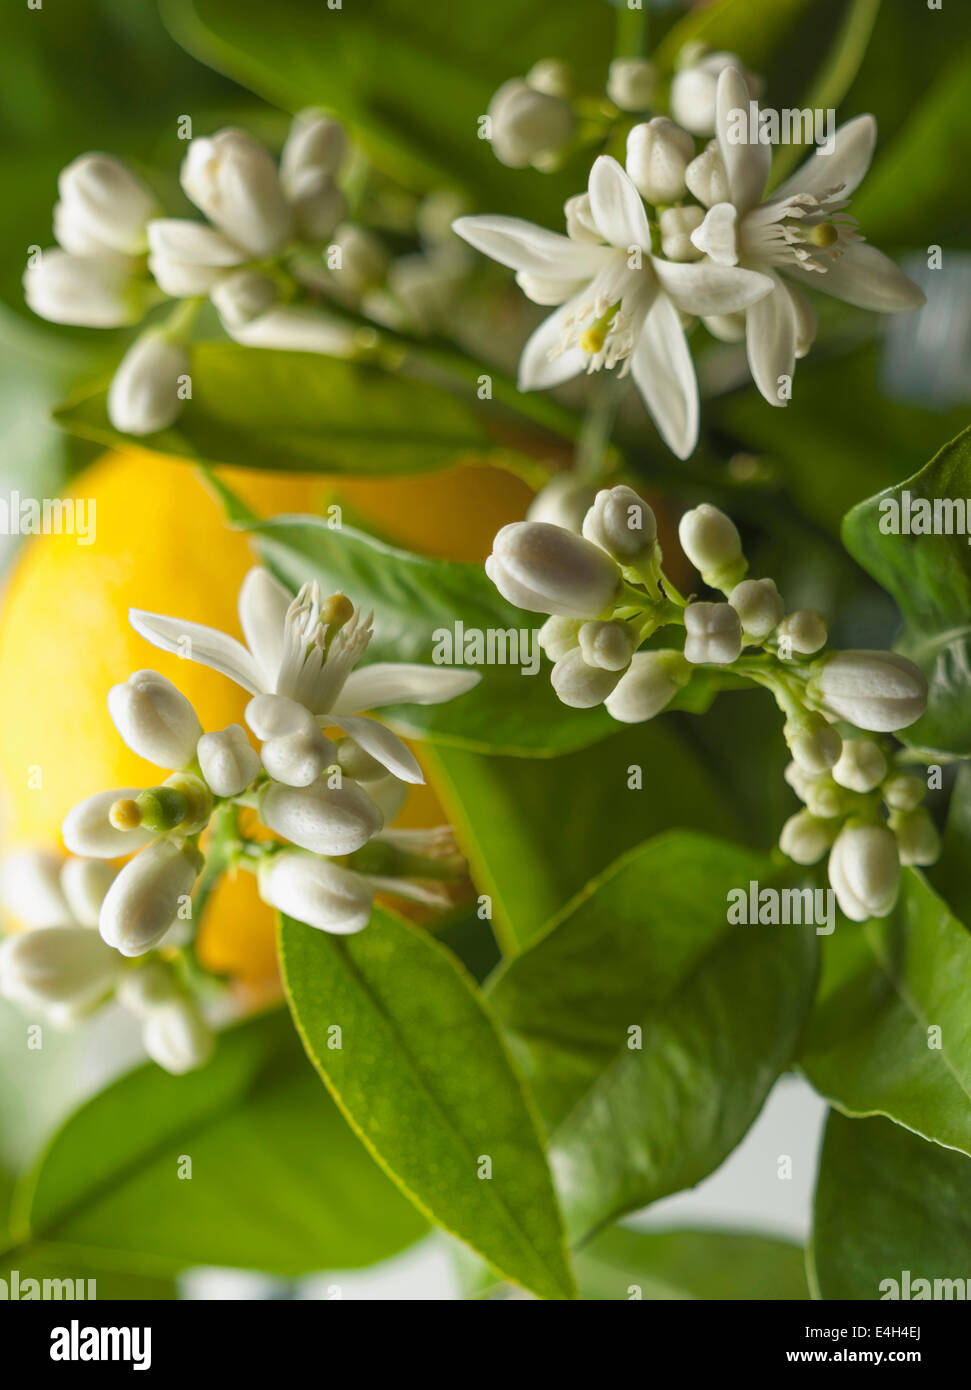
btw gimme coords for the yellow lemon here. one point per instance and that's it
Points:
(160, 543)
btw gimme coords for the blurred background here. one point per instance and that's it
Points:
(873, 403)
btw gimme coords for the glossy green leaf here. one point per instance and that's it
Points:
(719, 1010)
(93, 1274)
(299, 411)
(621, 1263)
(278, 1182)
(420, 1070)
(891, 1034)
(950, 874)
(888, 1202)
(929, 576)
(536, 832)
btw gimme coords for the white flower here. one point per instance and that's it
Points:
(145, 898)
(363, 261)
(621, 523)
(558, 635)
(234, 181)
(917, 839)
(527, 124)
(609, 645)
(242, 297)
(714, 634)
(190, 258)
(632, 83)
(324, 819)
(619, 304)
(546, 569)
(801, 231)
(294, 750)
(676, 226)
(879, 691)
(65, 965)
(903, 791)
(864, 871)
(648, 685)
(803, 631)
(296, 328)
(759, 605)
(308, 165)
(102, 206)
(177, 1037)
(85, 291)
(292, 651)
(144, 393)
(155, 719)
(579, 685)
(805, 838)
(658, 153)
(563, 501)
(813, 742)
(694, 91)
(227, 761)
(31, 889)
(711, 542)
(316, 892)
(87, 829)
(861, 765)
(85, 883)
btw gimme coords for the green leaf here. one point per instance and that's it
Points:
(277, 1181)
(298, 412)
(950, 874)
(887, 1202)
(884, 985)
(422, 1074)
(413, 598)
(929, 576)
(625, 1264)
(93, 1274)
(720, 1009)
(412, 82)
(536, 832)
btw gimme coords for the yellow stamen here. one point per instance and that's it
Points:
(824, 235)
(335, 611)
(125, 814)
(593, 338)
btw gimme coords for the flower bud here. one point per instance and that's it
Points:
(864, 871)
(242, 297)
(824, 799)
(916, 834)
(712, 543)
(85, 291)
(563, 501)
(648, 685)
(798, 779)
(880, 691)
(813, 742)
(903, 791)
(30, 888)
(149, 987)
(84, 883)
(805, 838)
(621, 523)
(301, 328)
(759, 605)
(658, 153)
(632, 83)
(607, 645)
(707, 178)
(694, 89)
(315, 147)
(803, 632)
(155, 719)
(714, 634)
(275, 716)
(144, 393)
(861, 765)
(580, 223)
(57, 965)
(227, 761)
(103, 201)
(87, 829)
(145, 898)
(363, 260)
(546, 569)
(527, 124)
(299, 758)
(324, 819)
(316, 892)
(177, 1037)
(234, 181)
(578, 685)
(355, 762)
(189, 258)
(676, 225)
(557, 636)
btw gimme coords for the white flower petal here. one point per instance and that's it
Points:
(699, 288)
(746, 163)
(394, 683)
(522, 245)
(665, 377)
(538, 369)
(263, 604)
(867, 278)
(844, 168)
(543, 289)
(381, 743)
(770, 336)
(200, 644)
(617, 206)
(717, 236)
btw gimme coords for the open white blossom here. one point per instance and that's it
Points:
(618, 303)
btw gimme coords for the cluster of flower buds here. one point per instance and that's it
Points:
(272, 231)
(686, 231)
(322, 800)
(603, 584)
